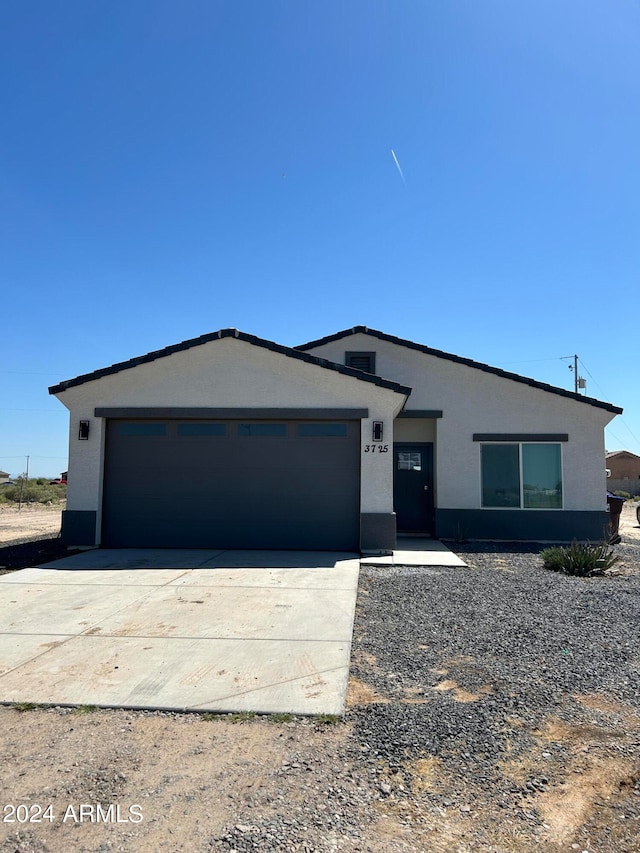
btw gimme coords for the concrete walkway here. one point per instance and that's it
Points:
(225, 631)
(417, 551)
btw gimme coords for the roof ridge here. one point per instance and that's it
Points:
(190, 343)
(477, 365)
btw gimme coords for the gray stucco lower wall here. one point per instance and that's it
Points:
(522, 525)
(377, 532)
(78, 527)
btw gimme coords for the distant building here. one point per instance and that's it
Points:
(623, 465)
(4, 477)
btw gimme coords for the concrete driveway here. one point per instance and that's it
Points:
(225, 631)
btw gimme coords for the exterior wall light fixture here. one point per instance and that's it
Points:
(83, 431)
(377, 431)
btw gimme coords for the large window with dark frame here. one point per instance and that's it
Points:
(521, 475)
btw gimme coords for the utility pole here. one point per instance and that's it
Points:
(22, 486)
(578, 381)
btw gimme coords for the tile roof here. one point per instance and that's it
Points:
(504, 374)
(228, 333)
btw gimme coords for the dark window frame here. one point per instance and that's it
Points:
(521, 445)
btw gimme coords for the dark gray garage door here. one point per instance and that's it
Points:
(232, 484)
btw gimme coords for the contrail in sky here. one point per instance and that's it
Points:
(395, 160)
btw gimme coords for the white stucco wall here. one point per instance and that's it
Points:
(226, 373)
(415, 429)
(474, 401)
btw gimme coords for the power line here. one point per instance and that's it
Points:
(614, 436)
(23, 455)
(593, 380)
(622, 420)
(533, 360)
(626, 425)
(577, 378)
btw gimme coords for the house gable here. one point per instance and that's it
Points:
(221, 334)
(320, 344)
(220, 386)
(455, 399)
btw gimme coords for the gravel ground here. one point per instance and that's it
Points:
(494, 708)
(485, 666)
(31, 552)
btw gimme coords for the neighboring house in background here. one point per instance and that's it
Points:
(4, 476)
(232, 441)
(623, 465)
(625, 472)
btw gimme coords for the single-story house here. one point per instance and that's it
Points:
(232, 441)
(623, 465)
(4, 476)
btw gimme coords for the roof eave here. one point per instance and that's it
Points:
(468, 362)
(290, 352)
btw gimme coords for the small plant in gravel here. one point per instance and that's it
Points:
(328, 719)
(85, 709)
(579, 559)
(25, 706)
(241, 717)
(280, 718)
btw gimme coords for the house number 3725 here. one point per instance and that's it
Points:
(381, 448)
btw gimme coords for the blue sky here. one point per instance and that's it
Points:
(168, 169)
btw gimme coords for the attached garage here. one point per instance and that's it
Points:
(231, 441)
(233, 483)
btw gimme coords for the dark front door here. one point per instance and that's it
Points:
(413, 487)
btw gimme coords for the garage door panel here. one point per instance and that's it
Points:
(295, 482)
(301, 534)
(218, 486)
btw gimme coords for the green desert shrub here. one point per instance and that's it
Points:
(622, 494)
(579, 559)
(34, 492)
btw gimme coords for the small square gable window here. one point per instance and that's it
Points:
(361, 361)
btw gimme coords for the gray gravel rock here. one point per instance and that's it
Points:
(464, 666)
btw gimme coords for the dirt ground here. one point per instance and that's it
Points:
(30, 520)
(629, 527)
(186, 783)
(179, 782)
